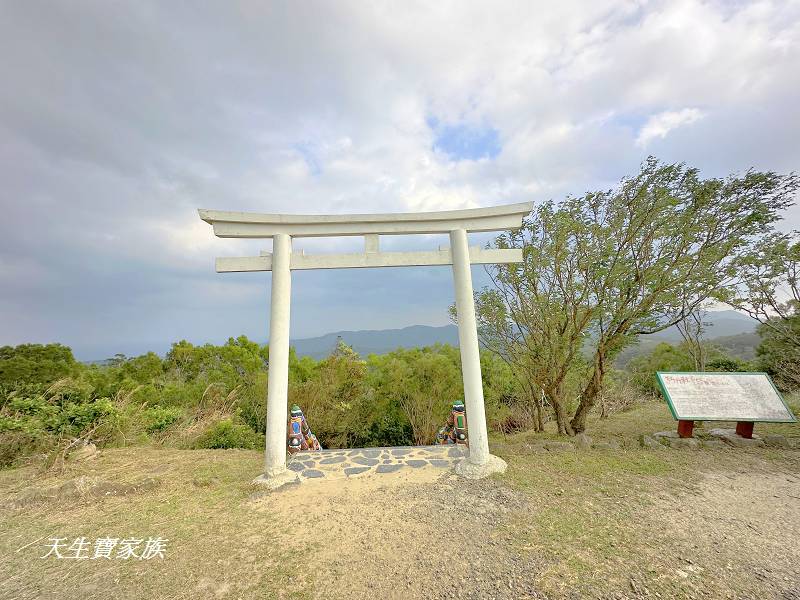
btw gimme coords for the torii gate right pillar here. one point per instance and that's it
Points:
(479, 463)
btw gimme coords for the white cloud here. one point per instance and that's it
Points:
(658, 126)
(118, 121)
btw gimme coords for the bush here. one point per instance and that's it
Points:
(226, 433)
(728, 364)
(160, 418)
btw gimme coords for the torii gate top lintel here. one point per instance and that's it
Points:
(231, 224)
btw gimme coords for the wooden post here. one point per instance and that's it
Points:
(745, 429)
(685, 428)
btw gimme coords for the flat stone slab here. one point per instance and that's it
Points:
(777, 441)
(714, 444)
(734, 439)
(340, 464)
(388, 468)
(667, 434)
(349, 471)
(680, 442)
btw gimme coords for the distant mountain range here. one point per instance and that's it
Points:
(377, 341)
(727, 328)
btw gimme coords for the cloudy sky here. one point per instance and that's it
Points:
(119, 119)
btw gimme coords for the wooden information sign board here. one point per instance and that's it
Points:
(742, 397)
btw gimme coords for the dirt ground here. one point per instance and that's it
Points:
(744, 526)
(411, 535)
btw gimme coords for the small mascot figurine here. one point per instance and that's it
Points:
(300, 436)
(455, 431)
(458, 420)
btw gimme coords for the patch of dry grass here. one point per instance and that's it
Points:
(217, 546)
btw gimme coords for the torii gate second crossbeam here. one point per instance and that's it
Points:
(282, 228)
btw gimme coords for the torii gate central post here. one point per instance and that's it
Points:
(282, 261)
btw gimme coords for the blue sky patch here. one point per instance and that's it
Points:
(465, 142)
(305, 150)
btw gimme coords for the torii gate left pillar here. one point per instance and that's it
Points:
(282, 228)
(278, 382)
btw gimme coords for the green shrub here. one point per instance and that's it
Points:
(160, 418)
(387, 430)
(76, 418)
(226, 433)
(728, 364)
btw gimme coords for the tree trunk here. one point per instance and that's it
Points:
(562, 421)
(590, 393)
(539, 419)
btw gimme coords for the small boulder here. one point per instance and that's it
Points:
(652, 443)
(583, 441)
(774, 440)
(742, 442)
(734, 439)
(680, 442)
(555, 446)
(84, 452)
(720, 432)
(714, 444)
(610, 445)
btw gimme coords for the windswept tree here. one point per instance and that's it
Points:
(606, 267)
(664, 243)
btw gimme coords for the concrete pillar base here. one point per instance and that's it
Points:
(470, 470)
(277, 479)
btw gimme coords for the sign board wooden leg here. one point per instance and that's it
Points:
(685, 428)
(745, 429)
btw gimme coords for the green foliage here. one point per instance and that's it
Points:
(664, 357)
(336, 399)
(423, 382)
(35, 363)
(348, 401)
(226, 433)
(779, 353)
(729, 364)
(159, 418)
(143, 369)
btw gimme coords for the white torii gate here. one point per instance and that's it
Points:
(282, 260)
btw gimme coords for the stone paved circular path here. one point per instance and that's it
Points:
(339, 464)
